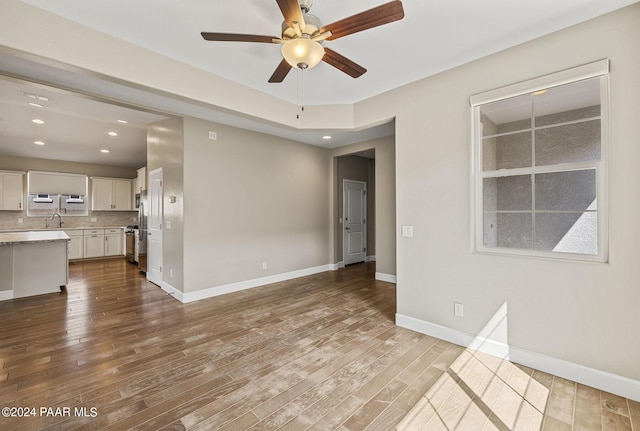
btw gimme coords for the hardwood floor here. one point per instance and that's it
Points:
(319, 353)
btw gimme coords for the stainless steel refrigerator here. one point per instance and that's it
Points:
(142, 231)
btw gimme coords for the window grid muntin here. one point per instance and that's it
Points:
(597, 165)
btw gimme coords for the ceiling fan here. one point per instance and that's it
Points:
(303, 34)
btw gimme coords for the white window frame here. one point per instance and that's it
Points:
(592, 70)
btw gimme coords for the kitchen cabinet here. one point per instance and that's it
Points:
(93, 242)
(142, 179)
(76, 244)
(113, 242)
(11, 191)
(134, 192)
(110, 194)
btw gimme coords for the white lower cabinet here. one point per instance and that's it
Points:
(113, 242)
(93, 242)
(76, 244)
(88, 243)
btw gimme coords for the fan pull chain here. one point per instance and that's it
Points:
(300, 92)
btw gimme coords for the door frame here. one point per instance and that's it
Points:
(149, 206)
(344, 218)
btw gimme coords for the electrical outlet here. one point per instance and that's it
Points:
(171, 273)
(458, 309)
(264, 265)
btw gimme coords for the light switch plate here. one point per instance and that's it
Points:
(407, 231)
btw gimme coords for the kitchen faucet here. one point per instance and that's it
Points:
(59, 219)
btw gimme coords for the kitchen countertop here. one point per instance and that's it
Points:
(58, 229)
(32, 237)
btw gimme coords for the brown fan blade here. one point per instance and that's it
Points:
(281, 72)
(343, 63)
(291, 12)
(384, 14)
(233, 37)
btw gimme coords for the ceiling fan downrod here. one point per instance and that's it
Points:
(305, 5)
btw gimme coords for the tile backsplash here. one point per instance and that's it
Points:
(9, 220)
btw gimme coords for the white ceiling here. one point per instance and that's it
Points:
(434, 36)
(75, 128)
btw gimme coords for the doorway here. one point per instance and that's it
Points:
(355, 188)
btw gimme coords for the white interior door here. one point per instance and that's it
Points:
(154, 227)
(355, 231)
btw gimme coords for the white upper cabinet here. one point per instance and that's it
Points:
(110, 194)
(142, 179)
(11, 191)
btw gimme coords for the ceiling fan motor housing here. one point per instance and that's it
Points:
(312, 25)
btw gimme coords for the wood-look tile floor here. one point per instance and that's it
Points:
(319, 353)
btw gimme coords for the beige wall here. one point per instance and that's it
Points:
(251, 198)
(165, 148)
(91, 169)
(582, 313)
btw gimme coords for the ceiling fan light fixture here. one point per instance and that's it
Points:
(302, 52)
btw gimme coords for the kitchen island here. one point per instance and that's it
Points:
(32, 263)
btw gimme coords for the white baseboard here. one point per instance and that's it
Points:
(386, 277)
(371, 258)
(172, 291)
(336, 266)
(598, 379)
(6, 295)
(249, 284)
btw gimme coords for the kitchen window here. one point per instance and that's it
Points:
(540, 166)
(56, 192)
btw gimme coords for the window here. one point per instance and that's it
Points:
(56, 192)
(539, 166)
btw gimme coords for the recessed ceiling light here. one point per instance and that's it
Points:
(37, 105)
(112, 133)
(37, 97)
(38, 143)
(326, 137)
(104, 151)
(37, 121)
(539, 92)
(122, 121)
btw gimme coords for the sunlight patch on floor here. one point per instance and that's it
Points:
(481, 391)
